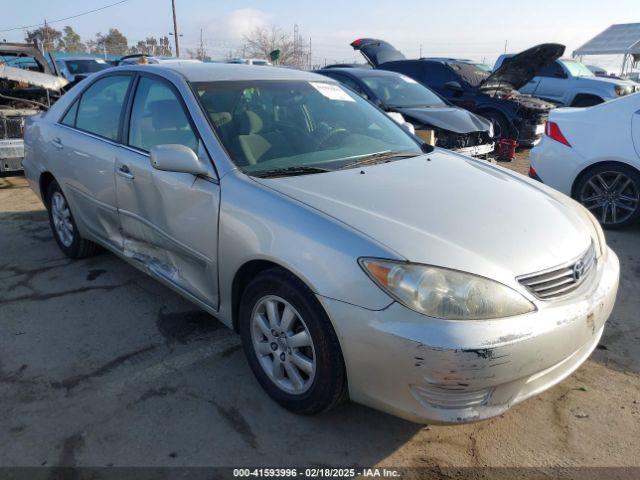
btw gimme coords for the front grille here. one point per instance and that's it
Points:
(11, 127)
(460, 140)
(558, 282)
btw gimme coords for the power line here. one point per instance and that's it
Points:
(63, 19)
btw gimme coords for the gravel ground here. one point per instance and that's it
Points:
(101, 365)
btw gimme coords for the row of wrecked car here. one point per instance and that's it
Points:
(450, 103)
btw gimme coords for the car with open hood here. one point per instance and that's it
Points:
(354, 260)
(434, 119)
(493, 95)
(28, 86)
(570, 83)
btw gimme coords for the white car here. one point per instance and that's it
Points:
(571, 83)
(593, 155)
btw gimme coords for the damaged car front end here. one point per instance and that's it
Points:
(435, 120)
(24, 92)
(494, 95)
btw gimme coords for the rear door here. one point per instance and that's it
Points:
(169, 219)
(85, 140)
(552, 83)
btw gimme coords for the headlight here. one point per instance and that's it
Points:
(623, 90)
(443, 293)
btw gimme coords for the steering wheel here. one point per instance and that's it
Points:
(334, 137)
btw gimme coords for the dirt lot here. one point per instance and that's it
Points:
(101, 365)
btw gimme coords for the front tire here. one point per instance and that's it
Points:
(64, 227)
(612, 194)
(290, 344)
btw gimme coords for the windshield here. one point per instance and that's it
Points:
(402, 91)
(577, 69)
(470, 73)
(267, 124)
(86, 66)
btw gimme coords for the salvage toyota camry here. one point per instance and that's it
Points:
(354, 261)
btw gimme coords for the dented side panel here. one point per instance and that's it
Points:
(169, 224)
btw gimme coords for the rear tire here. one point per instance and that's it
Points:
(290, 344)
(64, 227)
(611, 193)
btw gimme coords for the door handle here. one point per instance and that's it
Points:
(57, 143)
(124, 171)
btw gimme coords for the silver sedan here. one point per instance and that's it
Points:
(354, 261)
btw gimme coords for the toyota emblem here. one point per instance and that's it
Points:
(578, 270)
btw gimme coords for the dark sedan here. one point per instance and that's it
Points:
(435, 120)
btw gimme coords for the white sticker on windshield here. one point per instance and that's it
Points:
(332, 92)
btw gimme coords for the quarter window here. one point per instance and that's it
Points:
(158, 118)
(70, 118)
(100, 107)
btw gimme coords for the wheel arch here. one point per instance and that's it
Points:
(586, 96)
(592, 167)
(243, 276)
(46, 179)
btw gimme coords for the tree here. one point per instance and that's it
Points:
(262, 41)
(153, 46)
(45, 35)
(113, 42)
(71, 42)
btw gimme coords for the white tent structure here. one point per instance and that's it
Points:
(622, 39)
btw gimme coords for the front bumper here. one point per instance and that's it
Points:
(530, 134)
(477, 150)
(438, 371)
(11, 155)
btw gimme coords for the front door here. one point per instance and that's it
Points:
(169, 220)
(86, 141)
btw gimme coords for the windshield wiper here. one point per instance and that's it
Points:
(379, 157)
(289, 171)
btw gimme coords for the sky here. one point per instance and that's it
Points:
(455, 28)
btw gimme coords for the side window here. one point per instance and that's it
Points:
(157, 118)
(436, 74)
(101, 106)
(409, 68)
(70, 118)
(553, 70)
(352, 84)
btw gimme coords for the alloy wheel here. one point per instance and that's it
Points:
(611, 196)
(62, 219)
(283, 344)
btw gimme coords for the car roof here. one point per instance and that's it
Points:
(213, 72)
(79, 57)
(361, 72)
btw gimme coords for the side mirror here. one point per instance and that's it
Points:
(176, 158)
(453, 86)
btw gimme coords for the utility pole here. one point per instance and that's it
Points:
(505, 46)
(201, 47)
(175, 26)
(420, 51)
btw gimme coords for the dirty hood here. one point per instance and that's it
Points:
(519, 69)
(36, 79)
(448, 118)
(450, 211)
(377, 52)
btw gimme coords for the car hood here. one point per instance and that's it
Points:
(36, 79)
(448, 118)
(605, 80)
(449, 210)
(516, 71)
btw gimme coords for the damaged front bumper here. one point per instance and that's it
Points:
(439, 371)
(11, 155)
(477, 150)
